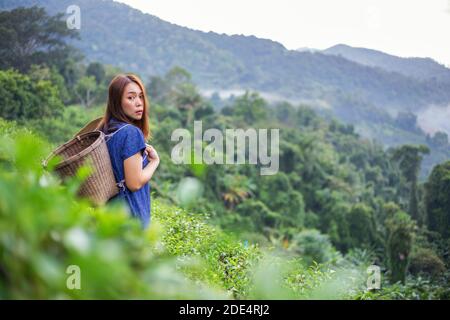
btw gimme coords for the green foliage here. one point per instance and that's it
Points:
(29, 36)
(399, 244)
(85, 89)
(292, 213)
(253, 215)
(23, 98)
(40, 72)
(177, 90)
(250, 108)
(312, 246)
(227, 262)
(45, 229)
(426, 261)
(361, 226)
(58, 130)
(417, 288)
(96, 70)
(437, 200)
(409, 159)
(330, 180)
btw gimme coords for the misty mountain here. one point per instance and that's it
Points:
(419, 68)
(380, 94)
(117, 34)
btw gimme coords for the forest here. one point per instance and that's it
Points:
(340, 209)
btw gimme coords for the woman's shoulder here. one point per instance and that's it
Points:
(130, 130)
(132, 141)
(130, 135)
(125, 135)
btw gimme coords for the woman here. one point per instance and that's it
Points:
(126, 125)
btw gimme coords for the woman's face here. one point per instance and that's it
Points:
(133, 101)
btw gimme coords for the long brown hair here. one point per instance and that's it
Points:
(114, 105)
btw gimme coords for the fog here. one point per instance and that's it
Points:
(434, 118)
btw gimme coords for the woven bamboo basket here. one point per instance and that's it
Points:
(87, 148)
(89, 127)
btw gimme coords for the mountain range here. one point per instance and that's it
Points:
(362, 86)
(117, 34)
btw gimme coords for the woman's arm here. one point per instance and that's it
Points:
(135, 176)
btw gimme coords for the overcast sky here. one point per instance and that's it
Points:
(407, 28)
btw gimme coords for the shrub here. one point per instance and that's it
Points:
(426, 261)
(21, 98)
(312, 246)
(399, 244)
(45, 229)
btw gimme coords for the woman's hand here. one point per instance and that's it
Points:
(151, 153)
(135, 175)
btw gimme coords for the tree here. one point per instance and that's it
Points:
(29, 36)
(22, 98)
(165, 90)
(237, 189)
(85, 90)
(289, 155)
(188, 100)
(250, 108)
(158, 89)
(312, 246)
(425, 260)
(256, 216)
(285, 112)
(39, 72)
(437, 199)
(399, 244)
(409, 159)
(361, 225)
(277, 193)
(177, 76)
(97, 70)
(176, 88)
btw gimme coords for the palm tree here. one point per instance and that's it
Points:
(238, 188)
(187, 99)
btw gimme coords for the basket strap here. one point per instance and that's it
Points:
(109, 136)
(44, 163)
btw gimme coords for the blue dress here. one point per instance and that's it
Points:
(123, 141)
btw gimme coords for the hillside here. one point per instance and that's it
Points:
(419, 68)
(117, 34)
(363, 87)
